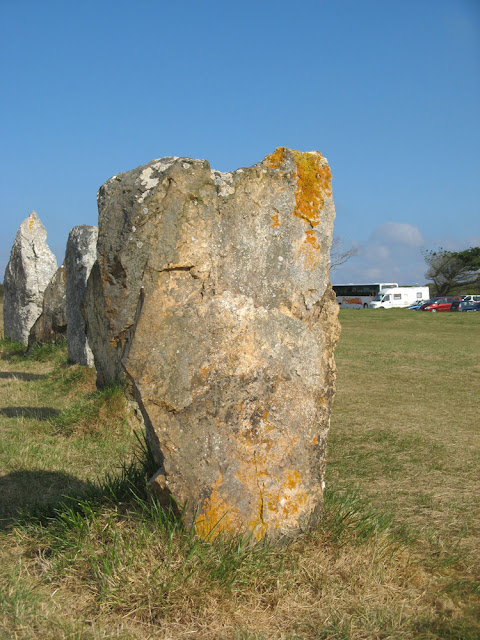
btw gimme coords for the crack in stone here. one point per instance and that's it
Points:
(130, 331)
(260, 491)
(178, 268)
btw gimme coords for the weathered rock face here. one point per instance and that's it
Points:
(80, 255)
(51, 325)
(27, 275)
(212, 293)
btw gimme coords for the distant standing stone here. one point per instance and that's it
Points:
(51, 325)
(80, 255)
(27, 275)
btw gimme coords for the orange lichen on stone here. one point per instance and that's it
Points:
(216, 515)
(275, 159)
(314, 182)
(309, 249)
(276, 502)
(280, 503)
(286, 500)
(276, 220)
(292, 480)
(206, 370)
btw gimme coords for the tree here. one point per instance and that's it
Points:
(338, 254)
(451, 270)
(471, 258)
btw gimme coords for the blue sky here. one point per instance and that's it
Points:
(388, 91)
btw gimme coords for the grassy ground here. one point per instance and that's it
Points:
(396, 556)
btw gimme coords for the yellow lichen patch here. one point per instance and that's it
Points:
(31, 223)
(278, 498)
(309, 250)
(275, 159)
(253, 452)
(286, 501)
(313, 186)
(206, 370)
(314, 182)
(216, 515)
(292, 480)
(276, 220)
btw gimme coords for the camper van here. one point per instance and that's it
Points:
(399, 297)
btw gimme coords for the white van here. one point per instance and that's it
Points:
(471, 298)
(399, 297)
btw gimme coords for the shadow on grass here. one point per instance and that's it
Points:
(38, 413)
(19, 375)
(11, 350)
(26, 494)
(42, 496)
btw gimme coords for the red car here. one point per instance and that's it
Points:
(440, 304)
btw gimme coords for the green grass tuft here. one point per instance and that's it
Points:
(41, 352)
(349, 517)
(10, 349)
(95, 412)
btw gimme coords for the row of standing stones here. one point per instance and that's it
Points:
(42, 303)
(208, 295)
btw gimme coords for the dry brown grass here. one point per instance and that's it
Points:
(124, 569)
(314, 586)
(411, 436)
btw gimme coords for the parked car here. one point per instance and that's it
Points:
(417, 305)
(460, 306)
(440, 304)
(465, 306)
(471, 298)
(425, 302)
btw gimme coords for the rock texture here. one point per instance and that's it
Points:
(27, 275)
(51, 325)
(212, 295)
(80, 255)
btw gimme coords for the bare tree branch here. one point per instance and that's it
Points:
(339, 255)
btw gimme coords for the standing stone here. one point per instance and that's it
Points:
(27, 275)
(51, 325)
(212, 294)
(80, 255)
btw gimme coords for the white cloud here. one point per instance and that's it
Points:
(373, 275)
(392, 253)
(376, 251)
(398, 233)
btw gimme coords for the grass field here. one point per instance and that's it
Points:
(397, 555)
